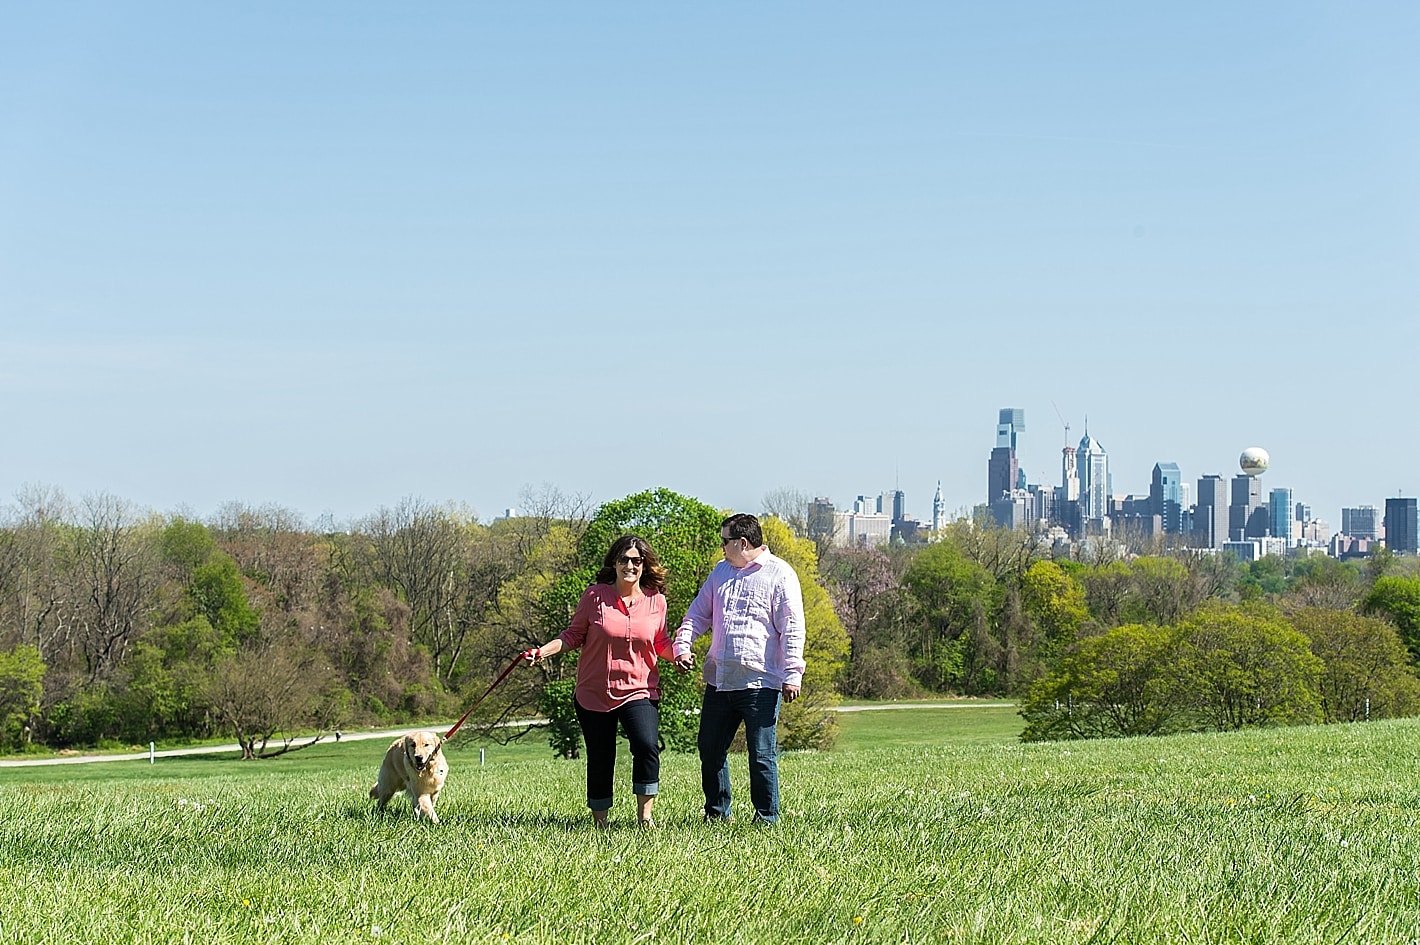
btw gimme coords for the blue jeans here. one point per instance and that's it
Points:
(720, 716)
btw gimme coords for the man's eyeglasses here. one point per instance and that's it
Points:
(627, 559)
(725, 541)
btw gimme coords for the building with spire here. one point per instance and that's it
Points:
(1094, 484)
(939, 510)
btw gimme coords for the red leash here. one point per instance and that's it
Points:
(450, 733)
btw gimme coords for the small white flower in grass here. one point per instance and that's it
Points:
(1345, 842)
(376, 931)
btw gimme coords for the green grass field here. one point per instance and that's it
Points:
(930, 825)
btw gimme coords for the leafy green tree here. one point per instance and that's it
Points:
(956, 597)
(1109, 588)
(1323, 581)
(1164, 590)
(1264, 578)
(1398, 600)
(557, 703)
(685, 534)
(21, 690)
(160, 690)
(1246, 665)
(1114, 684)
(809, 721)
(1367, 672)
(876, 610)
(186, 545)
(1055, 603)
(218, 594)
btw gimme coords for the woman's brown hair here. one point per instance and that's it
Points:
(653, 573)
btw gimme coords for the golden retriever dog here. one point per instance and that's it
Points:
(415, 764)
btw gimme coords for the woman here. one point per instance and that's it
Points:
(620, 624)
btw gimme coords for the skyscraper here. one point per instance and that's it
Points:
(1210, 513)
(1012, 421)
(822, 522)
(939, 510)
(1003, 470)
(1247, 516)
(1362, 522)
(1166, 497)
(893, 503)
(1094, 482)
(1279, 508)
(1401, 526)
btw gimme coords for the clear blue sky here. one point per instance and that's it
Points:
(329, 255)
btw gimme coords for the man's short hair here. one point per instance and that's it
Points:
(744, 526)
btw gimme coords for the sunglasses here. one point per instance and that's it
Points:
(725, 541)
(627, 559)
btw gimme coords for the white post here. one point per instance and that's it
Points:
(151, 754)
(480, 757)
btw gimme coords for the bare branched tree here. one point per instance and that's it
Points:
(419, 551)
(265, 691)
(790, 506)
(114, 575)
(272, 546)
(1006, 553)
(34, 591)
(545, 507)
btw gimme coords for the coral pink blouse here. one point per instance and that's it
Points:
(619, 647)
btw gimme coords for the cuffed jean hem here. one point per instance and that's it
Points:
(653, 787)
(599, 803)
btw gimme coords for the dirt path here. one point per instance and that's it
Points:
(178, 752)
(396, 732)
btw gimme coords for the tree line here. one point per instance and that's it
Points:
(120, 626)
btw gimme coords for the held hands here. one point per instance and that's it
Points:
(685, 663)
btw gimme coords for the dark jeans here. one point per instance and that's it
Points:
(720, 716)
(641, 719)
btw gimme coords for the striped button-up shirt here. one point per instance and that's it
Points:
(755, 616)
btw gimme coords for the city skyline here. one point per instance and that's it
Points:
(1169, 483)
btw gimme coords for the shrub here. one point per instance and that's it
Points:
(1367, 672)
(21, 688)
(1245, 665)
(1114, 684)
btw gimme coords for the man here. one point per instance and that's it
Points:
(753, 608)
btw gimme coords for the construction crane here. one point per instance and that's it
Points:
(1064, 421)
